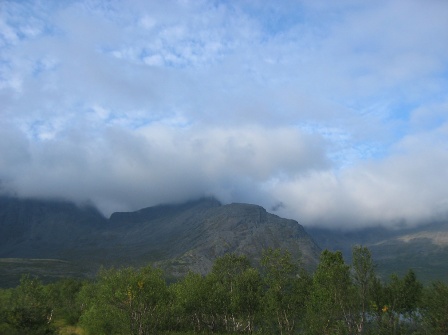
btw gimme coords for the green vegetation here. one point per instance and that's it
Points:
(279, 297)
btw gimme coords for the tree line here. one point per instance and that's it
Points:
(276, 297)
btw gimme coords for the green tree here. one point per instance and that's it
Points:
(63, 298)
(31, 312)
(363, 275)
(228, 267)
(223, 279)
(435, 309)
(379, 305)
(130, 299)
(192, 309)
(287, 288)
(246, 299)
(329, 310)
(396, 304)
(5, 301)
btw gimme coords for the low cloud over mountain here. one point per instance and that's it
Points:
(338, 112)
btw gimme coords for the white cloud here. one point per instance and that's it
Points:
(332, 109)
(406, 187)
(160, 162)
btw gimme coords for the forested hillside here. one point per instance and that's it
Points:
(279, 297)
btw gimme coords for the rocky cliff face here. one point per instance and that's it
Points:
(179, 237)
(242, 229)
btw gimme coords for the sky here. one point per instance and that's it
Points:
(332, 113)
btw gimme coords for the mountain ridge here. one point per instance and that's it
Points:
(188, 236)
(177, 237)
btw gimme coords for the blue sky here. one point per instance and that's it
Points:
(337, 110)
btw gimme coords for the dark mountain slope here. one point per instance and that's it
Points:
(41, 228)
(244, 229)
(190, 236)
(178, 237)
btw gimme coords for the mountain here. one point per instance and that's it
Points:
(53, 238)
(423, 248)
(39, 228)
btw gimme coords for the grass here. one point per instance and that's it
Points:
(64, 329)
(48, 270)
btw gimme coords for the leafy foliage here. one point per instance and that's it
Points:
(286, 290)
(435, 309)
(129, 299)
(29, 310)
(331, 294)
(62, 296)
(280, 297)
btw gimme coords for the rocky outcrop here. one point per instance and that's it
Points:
(242, 229)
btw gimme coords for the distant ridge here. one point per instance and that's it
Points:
(176, 237)
(423, 248)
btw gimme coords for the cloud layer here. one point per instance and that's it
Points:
(332, 114)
